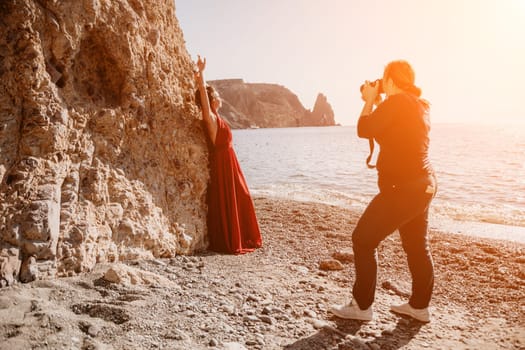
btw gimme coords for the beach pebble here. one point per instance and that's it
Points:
(266, 319)
(300, 269)
(330, 265)
(284, 317)
(318, 324)
(266, 310)
(357, 342)
(344, 256)
(267, 301)
(158, 262)
(310, 313)
(396, 288)
(252, 297)
(93, 330)
(176, 334)
(228, 308)
(260, 338)
(234, 346)
(251, 318)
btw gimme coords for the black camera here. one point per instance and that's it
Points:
(373, 83)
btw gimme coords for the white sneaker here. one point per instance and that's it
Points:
(352, 312)
(422, 315)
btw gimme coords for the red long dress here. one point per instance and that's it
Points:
(232, 224)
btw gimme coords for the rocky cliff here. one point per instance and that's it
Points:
(248, 105)
(102, 155)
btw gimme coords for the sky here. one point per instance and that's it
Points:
(468, 55)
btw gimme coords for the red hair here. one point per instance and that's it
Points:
(403, 76)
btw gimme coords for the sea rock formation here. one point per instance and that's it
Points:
(102, 153)
(248, 105)
(322, 114)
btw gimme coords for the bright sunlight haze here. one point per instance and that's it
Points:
(468, 54)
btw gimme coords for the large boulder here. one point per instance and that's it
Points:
(102, 153)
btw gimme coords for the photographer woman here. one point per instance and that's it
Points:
(407, 184)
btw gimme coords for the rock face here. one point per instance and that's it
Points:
(102, 154)
(248, 105)
(322, 114)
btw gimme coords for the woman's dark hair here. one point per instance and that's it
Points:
(403, 76)
(210, 92)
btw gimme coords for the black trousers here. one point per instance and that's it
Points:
(398, 208)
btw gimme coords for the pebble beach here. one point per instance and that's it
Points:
(276, 297)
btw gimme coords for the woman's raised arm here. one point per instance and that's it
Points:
(207, 115)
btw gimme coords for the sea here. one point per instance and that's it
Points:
(480, 171)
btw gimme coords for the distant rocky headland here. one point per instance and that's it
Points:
(259, 105)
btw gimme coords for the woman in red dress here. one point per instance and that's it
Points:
(232, 224)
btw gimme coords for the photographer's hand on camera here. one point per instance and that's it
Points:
(377, 85)
(369, 92)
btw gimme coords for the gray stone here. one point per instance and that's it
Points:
(251, 318)
(266, 319)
